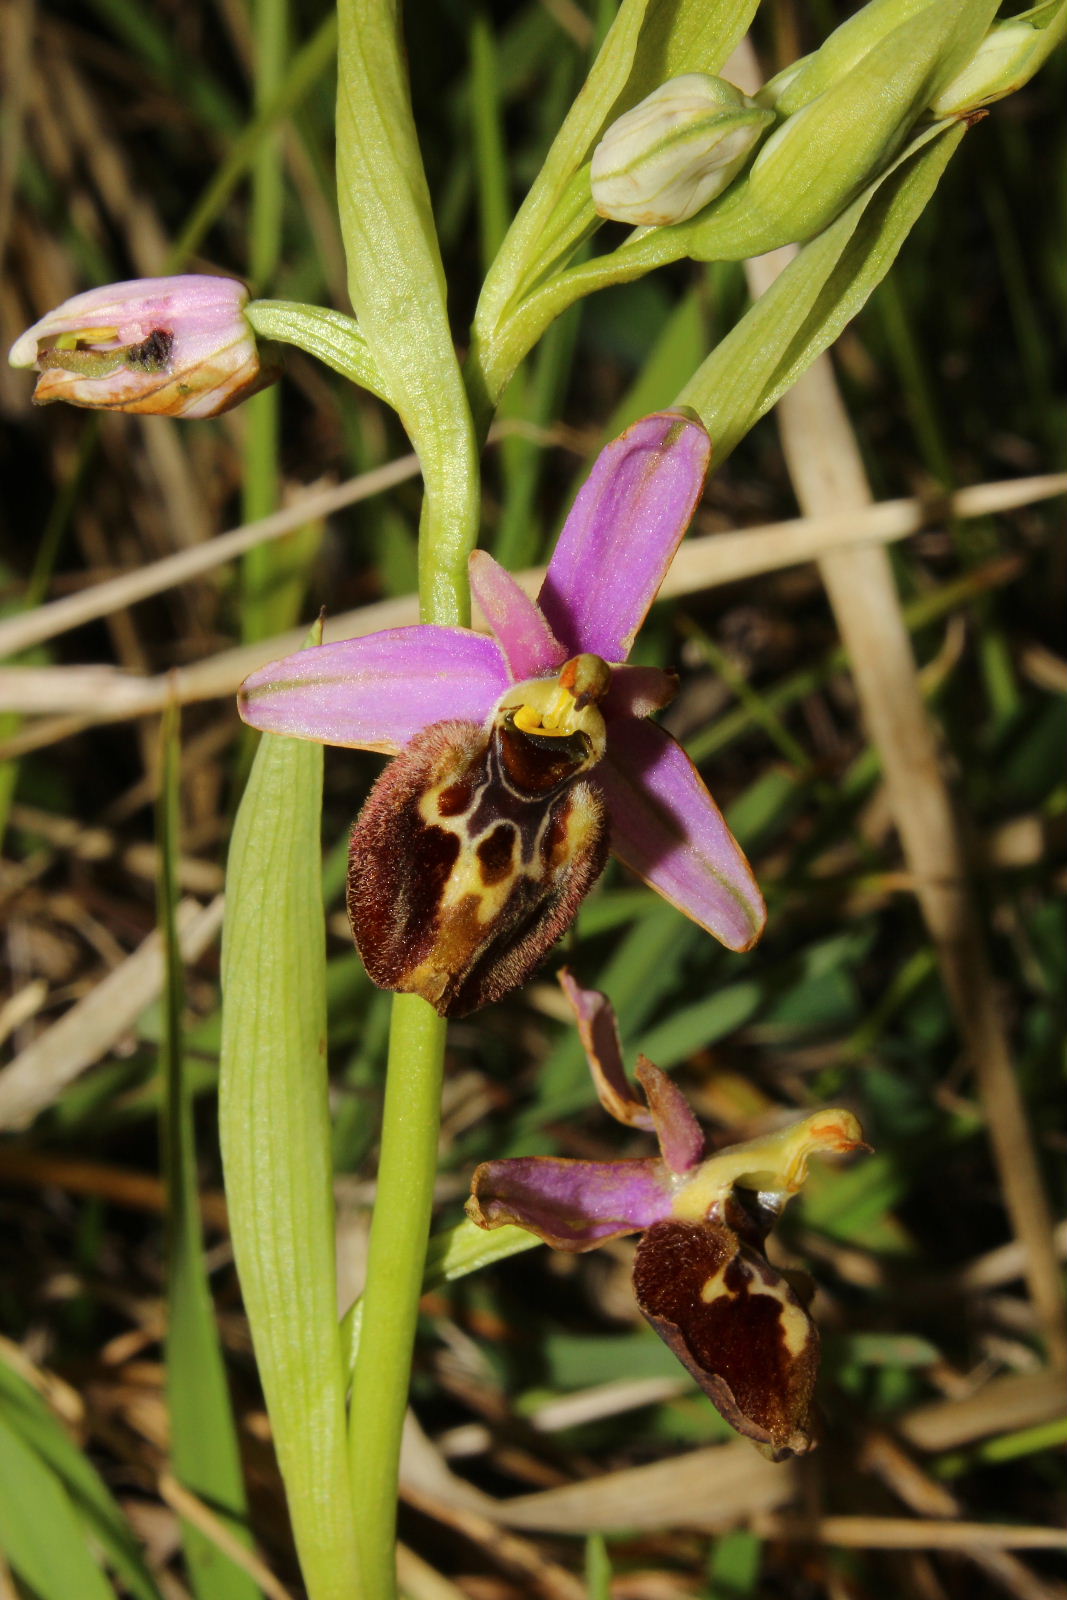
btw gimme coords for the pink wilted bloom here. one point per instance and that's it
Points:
(524, 756)
(179, 347)
(701, 1274)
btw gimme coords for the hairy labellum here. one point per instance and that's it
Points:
(735, 1322)
(474, 851)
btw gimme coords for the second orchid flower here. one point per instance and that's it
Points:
(522, 758)
(701, 1276)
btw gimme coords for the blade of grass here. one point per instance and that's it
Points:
(24, 1411)
(306, 67)
(44, 563)
(733, 1566)
(40, 1533)
(203, 1438)
(597, 1568)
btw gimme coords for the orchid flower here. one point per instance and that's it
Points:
(179, 347)
(523, 756)
(701, 1274)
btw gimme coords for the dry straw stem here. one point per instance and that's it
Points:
(908, 1533)
(518, 1557)
(80, 696)
(708, 1489)
(20, 632)
(723, 1485)
(40, 1073)
(419, 1581)
(700, 562)
(192, 1509)
(922, 1494)
(141, 1191)
(828, 476)
(1006, 1404)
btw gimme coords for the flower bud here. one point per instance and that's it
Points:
(1007, 57)
(664, 160)
(178, 347)
(819, 157)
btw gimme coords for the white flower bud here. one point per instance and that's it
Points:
(665, 159)
(1007, 57)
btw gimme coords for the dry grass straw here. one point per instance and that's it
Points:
(907, 1480)
(827, 473)
(40, 1073)
(78, 697)
(142, 1191)
(909, 1533)
(193, 1510)
(1016, 1400)
(419, 1581)
(519, 1558)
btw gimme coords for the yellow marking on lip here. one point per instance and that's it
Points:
(91, 336)
(794, 1321)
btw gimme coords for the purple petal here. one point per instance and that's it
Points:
(376, 692)
(572, 1205)
(666, 827)
(678, 1131)
(530, 647)
(620, 538)
(599, 1032)
(639, 691)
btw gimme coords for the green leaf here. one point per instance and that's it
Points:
(40, 1531)
(557, 207)
(646, 44)
(204, 1449)
(694, 1027)
(734, 1565)
(597, 1568)
(332, 336)
(24, 1411)
(397, 285)
(806, 307)
(275, 1127)
(307, 66)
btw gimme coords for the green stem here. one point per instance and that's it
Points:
(261, 604)
(399, 1231)
(397, 286)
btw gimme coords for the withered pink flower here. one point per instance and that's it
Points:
(522, 757)
(179, 347)
(701, 1274)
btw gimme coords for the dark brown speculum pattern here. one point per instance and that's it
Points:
(735, 1323)
(471, 858)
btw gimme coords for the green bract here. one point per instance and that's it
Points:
(1007, 57)
(819, 157)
